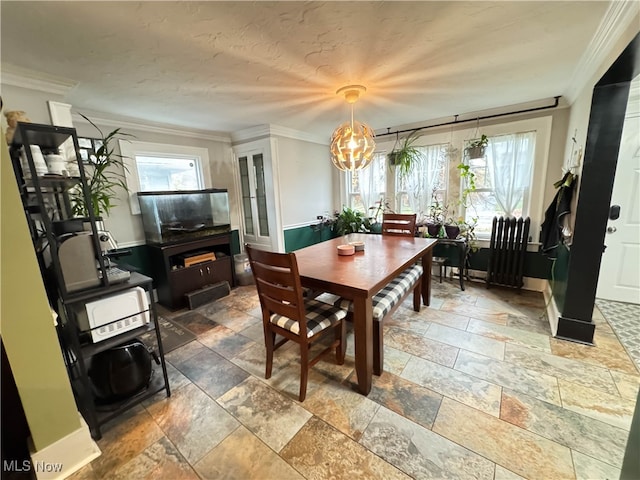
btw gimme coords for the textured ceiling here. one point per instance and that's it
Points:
(225, 66)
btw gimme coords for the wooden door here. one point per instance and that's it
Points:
(619, 278)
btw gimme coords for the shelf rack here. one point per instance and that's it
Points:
(46, 200)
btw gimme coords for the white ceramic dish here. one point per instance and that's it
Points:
(346, 250)
(358, 246)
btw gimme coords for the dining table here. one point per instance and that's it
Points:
(358, 277)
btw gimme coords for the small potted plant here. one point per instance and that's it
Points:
(435, 218)
(350, 221)
(407, 155)
(476, 147)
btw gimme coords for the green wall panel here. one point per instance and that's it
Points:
(535, 264)
(297, 238)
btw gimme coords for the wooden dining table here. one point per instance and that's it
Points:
(360, 276)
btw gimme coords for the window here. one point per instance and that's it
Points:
(368, 186)
(413, 193)
(503, 180)
(160, 167)
(168, 173)
(510, 179)
(427, 180)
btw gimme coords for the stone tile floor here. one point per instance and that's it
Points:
(474, 387)
(624, 319)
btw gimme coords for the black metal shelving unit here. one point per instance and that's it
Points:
(46, 200)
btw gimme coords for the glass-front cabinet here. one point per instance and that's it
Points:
(255, 169)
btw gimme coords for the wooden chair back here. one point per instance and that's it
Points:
(284, 312)
(399, 224)
(278, 284)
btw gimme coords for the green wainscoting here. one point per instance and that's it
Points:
(297, 238)
(535, 264)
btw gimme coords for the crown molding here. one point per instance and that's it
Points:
(25, 78)
(616, 20)
(164, 130)
(261, 131)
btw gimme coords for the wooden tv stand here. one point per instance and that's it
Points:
(174, 280)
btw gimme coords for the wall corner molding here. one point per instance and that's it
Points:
(616, 20)
(30, 79)
(162, 129)
(266, 130)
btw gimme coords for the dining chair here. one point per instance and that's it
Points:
(399, 224)
(286, 312)
(385, 301)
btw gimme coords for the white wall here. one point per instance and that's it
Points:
(125, 227)
(306, 181)
(578, 121)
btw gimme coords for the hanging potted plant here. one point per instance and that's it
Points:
(476, 147)
(405, 156)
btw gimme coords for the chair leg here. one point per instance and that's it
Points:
(269, 340)
(341, 348)
(416, 295)
(378, 348)
(304, 370)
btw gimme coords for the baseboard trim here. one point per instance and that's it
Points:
(552, 309)
(530, 283)
(65, 456)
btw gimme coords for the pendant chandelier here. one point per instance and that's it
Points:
(352, 143)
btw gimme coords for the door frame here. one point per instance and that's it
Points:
(606, 120)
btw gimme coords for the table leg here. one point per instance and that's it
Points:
(363, 333)
(462, 254)
(427, 263)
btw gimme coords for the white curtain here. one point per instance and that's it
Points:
(415, 190)
(510, 162)
(368, 186)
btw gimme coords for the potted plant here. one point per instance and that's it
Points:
(103, 177)
(380, 208)
(476, 147)
(350, 221)
(436, 218)
(405, 157)
(452, 229)
(467, 232)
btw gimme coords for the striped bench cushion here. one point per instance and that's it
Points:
(320, 315)
(391, 294)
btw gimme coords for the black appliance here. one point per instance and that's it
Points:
(122, 371)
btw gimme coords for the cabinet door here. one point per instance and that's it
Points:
(257, 190)
(186, 280)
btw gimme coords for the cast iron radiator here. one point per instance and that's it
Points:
(506, 251)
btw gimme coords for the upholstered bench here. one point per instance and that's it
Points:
(385, 302)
